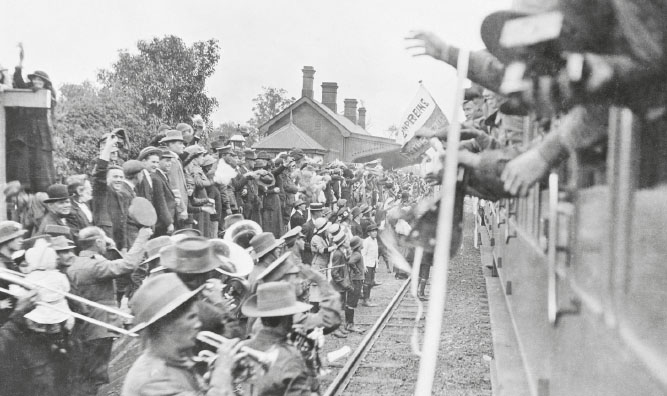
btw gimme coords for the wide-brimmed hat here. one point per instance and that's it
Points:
(316, 207)
(40, 74)
(156, 298)
(334, 228)
(44, 314)
(153, 247)
(192, 255)
(172, 135)
(236, 261)
(273, 299)
(10, 230)
(231, 220)
(56, 192)
(188, 232)
(372, 227)
(293, 233)
(282, 266)
(142, 211)
(263, 243)
(320, 224)
(241, 226)
(61, 243)
(356, 242)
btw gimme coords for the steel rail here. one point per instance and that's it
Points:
(347, 372)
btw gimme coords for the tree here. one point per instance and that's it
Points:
(85, 113)
(167, 78)
(268, 104)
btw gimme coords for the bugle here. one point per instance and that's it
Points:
(264, 359)
(10, 276)
(76, 315)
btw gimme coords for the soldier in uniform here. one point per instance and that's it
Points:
(275, 304)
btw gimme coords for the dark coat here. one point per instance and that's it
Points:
(51, 218)
(356, 229)
(110, 206)
(297, 219)
(32, 363)
(340, 272)
(164, 202)
(77, 219)
(356, 265)
(145, 188)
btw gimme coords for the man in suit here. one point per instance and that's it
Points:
(59, 207)
(150, 157)
(298, 217)
(80, 216)
(173, 141)
(164, 200)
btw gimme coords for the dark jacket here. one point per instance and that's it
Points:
(164, 202)
(109, 206)
(51, 218)
(288, 375)
(340, 272)
(297, 219)
(356, 265)
(77, 219)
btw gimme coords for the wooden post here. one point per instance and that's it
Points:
(436, 308)
(15, 98)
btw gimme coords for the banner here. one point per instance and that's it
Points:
(424, 117)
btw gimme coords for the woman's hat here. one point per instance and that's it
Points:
(153, 247)
(171, 136)
(43, 314)
(273, 299)
(236, 261)
(56, 192)
(10, 230)
(156, 298)
(282, 266)
(320, 224)
(40, 74)
(266, 180)
(192, 255)
(263, 243)
(339, 238)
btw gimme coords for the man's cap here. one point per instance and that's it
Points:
(132, 167)
(148, 151)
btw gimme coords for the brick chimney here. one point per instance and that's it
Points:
(329, 94)
(308, 77)
(362, 117)
(351, 110)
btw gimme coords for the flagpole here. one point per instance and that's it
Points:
(436, 306)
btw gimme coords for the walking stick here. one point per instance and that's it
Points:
(438, 296)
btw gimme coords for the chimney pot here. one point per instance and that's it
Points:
(362, 117)
(308, 77)
(329, 95)
(351, 110)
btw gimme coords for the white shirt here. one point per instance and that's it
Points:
(370, 252)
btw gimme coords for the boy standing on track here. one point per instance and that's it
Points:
(370, 253)
(357, 272)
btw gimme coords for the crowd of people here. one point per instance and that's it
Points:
(272, 252)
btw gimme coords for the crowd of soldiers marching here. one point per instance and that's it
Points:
(207, 247)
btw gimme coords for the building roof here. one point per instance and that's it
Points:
(344, 125)
(288, 137)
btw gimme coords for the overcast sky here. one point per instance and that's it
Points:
(356, 43)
